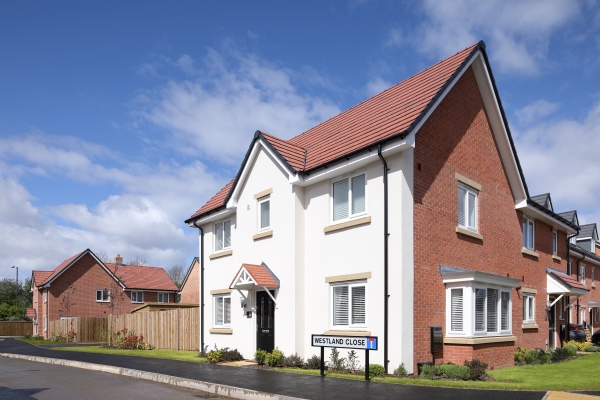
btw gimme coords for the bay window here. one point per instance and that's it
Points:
(348, 198)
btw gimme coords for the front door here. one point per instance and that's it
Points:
(265, 321)
(552, 326)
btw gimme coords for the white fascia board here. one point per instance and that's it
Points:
(354, 163)
(534, 213)
(232, 203)
(213, 217)
(500, 131)
(482, 277)
(585, 258)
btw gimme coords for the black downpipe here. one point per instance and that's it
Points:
(579, 279)
(567, 334)
(385, 262)
(201, 287)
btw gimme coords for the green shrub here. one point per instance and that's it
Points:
(376, 370)
(275, 358)
(314, 362)
(520, 354)
(214, 356)
(293, 361)
(335, 362)
(581, 346)
(572, 350)
(476, 369)
(38, 337)
(401, 371)
(352, 363)
(593, 349)
(429, 372)
(260, 356)
(562, 353)
(453, 371)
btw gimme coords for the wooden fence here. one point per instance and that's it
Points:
(9, 328)
(177, 329)
(87, 330)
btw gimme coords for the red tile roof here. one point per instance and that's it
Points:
(30, 313)
(391, 112)
(40, 276)
(59, 268)
(261, 275)
(569, 281)
(143, 277)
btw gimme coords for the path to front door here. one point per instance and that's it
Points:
(265, 321)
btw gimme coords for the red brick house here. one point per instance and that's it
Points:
(190, 287)
(84, 286)
(406, 212)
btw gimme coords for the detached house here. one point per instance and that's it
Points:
(407, 211)
(84, 286)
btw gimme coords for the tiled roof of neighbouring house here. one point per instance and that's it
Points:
(389, 114)
(143, 277)
(586, 231)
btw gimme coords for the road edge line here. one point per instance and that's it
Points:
(215, 388)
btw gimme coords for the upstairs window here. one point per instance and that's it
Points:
(349, 197)
(222, 235)
(467, 207)
(163, 297)
(137, 297)
(528, 234)
(582, 274)
(102, 295)
(528, 309)
(349, 305)
(554, 243)
(264, 213)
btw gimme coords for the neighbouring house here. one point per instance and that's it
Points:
(190, 287)
(405, 212)
(584, 259)
(84, 286)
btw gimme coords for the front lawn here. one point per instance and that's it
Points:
(164, 354)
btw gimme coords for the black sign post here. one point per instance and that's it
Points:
(365, 343)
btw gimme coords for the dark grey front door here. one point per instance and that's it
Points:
(552, 326)
(265, 321)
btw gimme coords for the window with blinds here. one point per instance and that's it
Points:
(480, 309)
(349, 197)
(492, 310)
(222, 310)
(528, 308)
(264, 210)
(505, 311)
(528, 234)
(467, 207)
(349, 305)
(456, 307)
(222, 235)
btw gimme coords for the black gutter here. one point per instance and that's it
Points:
(552, 214)
(567, 334)
(579, 279)
(201, 231)
(385, 259)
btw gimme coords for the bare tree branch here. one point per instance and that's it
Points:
(138, 260)
(176, 273)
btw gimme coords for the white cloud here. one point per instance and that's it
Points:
(561, 157)
(234, 95)
(517, 31)
(535, 111)
(376, 85)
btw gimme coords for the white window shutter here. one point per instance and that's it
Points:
(479, 309)
(358, 305)
(456, 310)
(227, 233)
(340, 199)
(461, 206)
(358, 194)
(340, 305)
(492, 310)
(504, 316)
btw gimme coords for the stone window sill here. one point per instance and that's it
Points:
(530, 253)
(221, 331)
(530, 326)
(479, 340)
(467, 232)
(263, 235)
(220, 254)
(347, 333)
(348, 224)
(557, 258)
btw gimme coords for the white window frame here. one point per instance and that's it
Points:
(527, 224)
(351, 215)
(137, 294)
(582, 274)
(222, 222)
(469, 190)
(468, 330)
(224, 324)
(259, 203)
(555, 243)
(102, 299)
(45, 323)
(350, 285)
(528, 297)
(160, 294)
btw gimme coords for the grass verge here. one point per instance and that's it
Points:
(37, 341)
(164, 354)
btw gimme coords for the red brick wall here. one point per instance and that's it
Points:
(457, 138)
(86, 276)
(593, 294)
(190, 291)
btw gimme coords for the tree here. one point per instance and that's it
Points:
(176, 273)
(115, 299)
(67, 301)
(14, 300)
(102, 256)
(138, 260)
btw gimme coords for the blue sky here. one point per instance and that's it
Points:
(119, 119)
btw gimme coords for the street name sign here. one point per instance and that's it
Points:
(345, 342)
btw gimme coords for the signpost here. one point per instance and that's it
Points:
(365, 343)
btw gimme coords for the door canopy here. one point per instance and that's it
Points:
(558, 282)
(252, 276)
